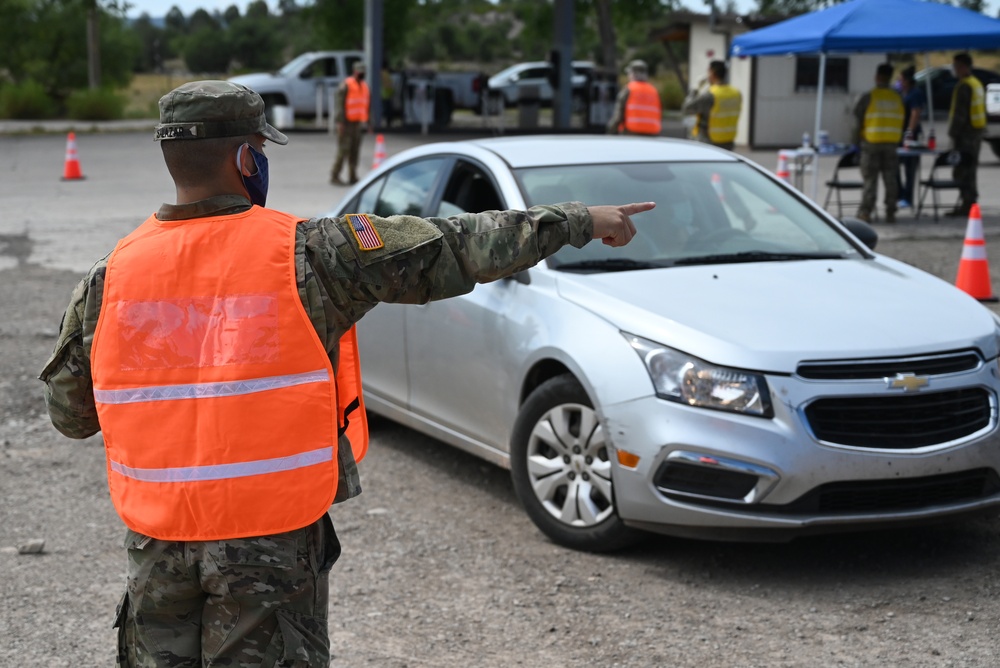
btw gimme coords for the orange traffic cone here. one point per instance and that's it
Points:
(71, 170)
(379, 151)
(782, 170)
(973, 269)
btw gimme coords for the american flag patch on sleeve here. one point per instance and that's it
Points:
(364, 231)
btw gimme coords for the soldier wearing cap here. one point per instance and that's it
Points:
(716, 105)
(352, 107)
(214, 348)
(638, 110)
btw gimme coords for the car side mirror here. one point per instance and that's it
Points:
(862, 230)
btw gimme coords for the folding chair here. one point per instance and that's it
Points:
(850, 160)
(933, 183)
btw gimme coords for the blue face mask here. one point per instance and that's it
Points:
(256, 183)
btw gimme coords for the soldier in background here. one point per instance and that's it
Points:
(966, 121)
(638, 110)
(878, 131)
(717, 106)
(353, 104)
(214, 348)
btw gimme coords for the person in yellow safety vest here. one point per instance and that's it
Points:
(353, 103)
(717, 108)
(214, 349)
(966, 122)
(638, 110)
(879, 115)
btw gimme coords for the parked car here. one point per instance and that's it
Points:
(746, 367)
(943, 83)
(533, 81)
(296, 83)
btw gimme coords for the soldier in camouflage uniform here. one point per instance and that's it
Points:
(262, 601)
(349, 130)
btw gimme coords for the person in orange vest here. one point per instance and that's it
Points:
(717, 106)
(353, 105)
(638, 110)
(966, 121)
(215, 350)
(878, 131)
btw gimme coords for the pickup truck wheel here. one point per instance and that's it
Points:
(270, 102)
(561, 469)
(444, 105)
(994, 145)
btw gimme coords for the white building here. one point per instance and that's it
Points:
(779, 92)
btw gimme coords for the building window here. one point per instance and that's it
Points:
(807, 74)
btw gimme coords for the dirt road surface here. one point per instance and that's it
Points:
(440, 565)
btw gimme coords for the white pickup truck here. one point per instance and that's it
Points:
(296, 84)
(992, 136)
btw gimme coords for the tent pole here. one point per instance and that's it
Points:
(930, 98)
(819, 120)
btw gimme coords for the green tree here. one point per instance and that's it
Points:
(207, 51)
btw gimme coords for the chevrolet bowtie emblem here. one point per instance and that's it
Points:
(907, 382)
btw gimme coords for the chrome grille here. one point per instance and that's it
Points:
(901, 422)
(931, 365)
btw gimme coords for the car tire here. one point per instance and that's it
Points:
(561, 469)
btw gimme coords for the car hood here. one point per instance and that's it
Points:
(770, 316)
(258, 80)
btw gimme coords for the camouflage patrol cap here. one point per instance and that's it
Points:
(207, 109)
(638, 66)
(358, 67)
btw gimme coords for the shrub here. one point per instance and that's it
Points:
(671, 95)
(95, 105)
(27, 101)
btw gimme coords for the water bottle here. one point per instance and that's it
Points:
(908, 139)
(805, 140)
(824, 141)
(931, 141)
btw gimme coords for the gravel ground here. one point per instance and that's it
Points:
(441, 567)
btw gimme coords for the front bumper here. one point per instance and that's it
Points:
(713, 474)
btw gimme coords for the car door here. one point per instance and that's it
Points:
(454, 346)
(382, 332)
(323, 75)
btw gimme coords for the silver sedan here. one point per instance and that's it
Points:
(748, 367)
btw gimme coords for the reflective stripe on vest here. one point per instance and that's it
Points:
(977, 102)
(643, 113)
(883, 117)
(356, 102)
(725, 114)
(217, 399)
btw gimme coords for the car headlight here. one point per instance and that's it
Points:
(689, 380)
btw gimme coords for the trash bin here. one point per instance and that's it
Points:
(418, 98)
(282, 117)
(529, 103)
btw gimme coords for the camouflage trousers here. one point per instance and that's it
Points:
(258, 601)
(348, 148)
(965, 172)
(879, 160)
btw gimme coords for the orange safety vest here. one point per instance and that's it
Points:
(643, 113)
(356, 102)
(217, 400)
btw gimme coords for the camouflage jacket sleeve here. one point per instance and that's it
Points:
(618, 115)
(427, 259)
(69, 392)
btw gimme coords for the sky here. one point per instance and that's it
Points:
(159, 8)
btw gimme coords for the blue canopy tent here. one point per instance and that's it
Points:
(887, 26)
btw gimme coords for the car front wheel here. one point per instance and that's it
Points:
(561, 468)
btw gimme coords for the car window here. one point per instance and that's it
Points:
(702, 209)
(368, 199)
(407, 188)
(469, 190)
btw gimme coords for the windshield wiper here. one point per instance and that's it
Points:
(609, 264)
(757, 256)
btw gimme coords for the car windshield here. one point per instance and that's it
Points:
(290, 68)
(706, 213)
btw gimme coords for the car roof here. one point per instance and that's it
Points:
(552, 150)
